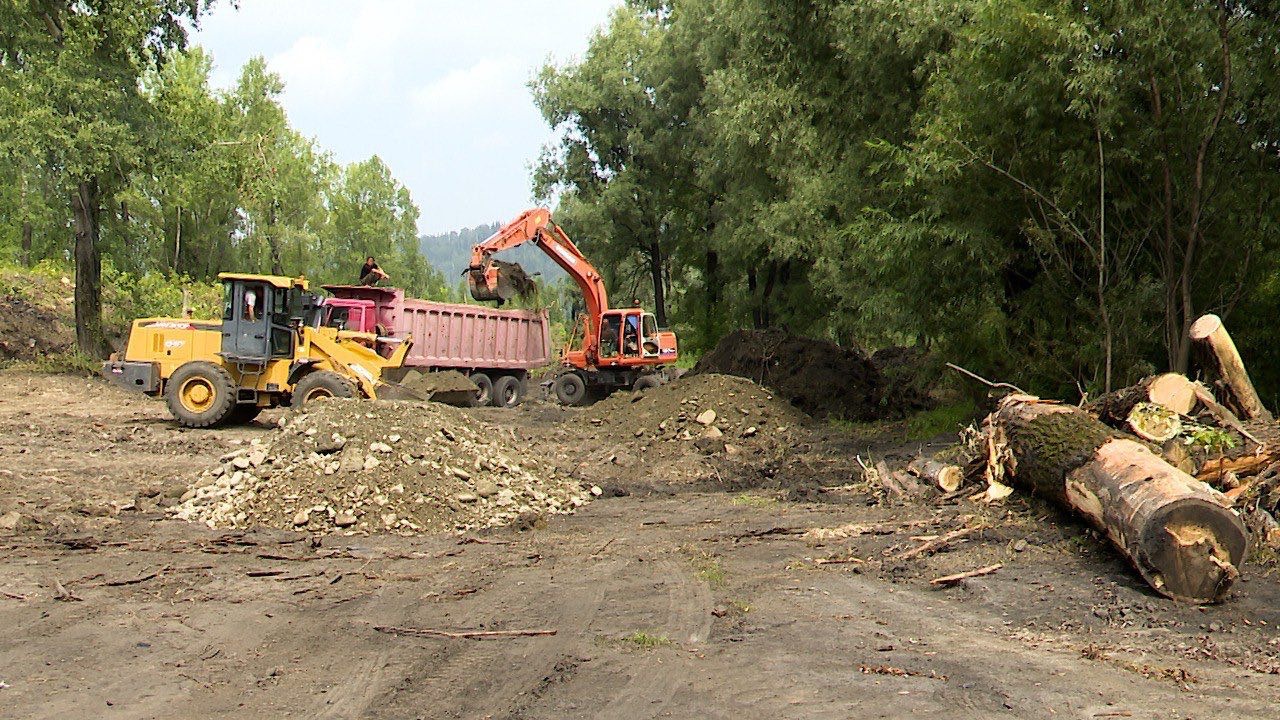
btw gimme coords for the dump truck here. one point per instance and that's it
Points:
(495, 348)
(268, 349)
(610, 348)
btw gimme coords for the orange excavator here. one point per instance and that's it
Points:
(610, 349)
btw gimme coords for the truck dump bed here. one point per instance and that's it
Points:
(467, 337)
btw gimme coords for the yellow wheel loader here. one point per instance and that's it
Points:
(267, 350)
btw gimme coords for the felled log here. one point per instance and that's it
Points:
(1170, 390)
(1154, 422)
(1242, 465)
(1176, 531)
(948, 477)
(1210, 332)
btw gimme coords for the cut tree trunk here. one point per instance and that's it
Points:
(1170, 390)
(1210, 331)
(947, 477)
(1178, 532)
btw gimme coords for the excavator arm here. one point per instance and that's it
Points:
(490, 279)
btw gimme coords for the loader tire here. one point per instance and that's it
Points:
(243, 414)
(508, 391)
(646, 382)
(322, 384)
(200, 394)
(484, 389)
(571, 389)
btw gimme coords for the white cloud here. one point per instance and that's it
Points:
(462, 90)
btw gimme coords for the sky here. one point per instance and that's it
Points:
(436, 88)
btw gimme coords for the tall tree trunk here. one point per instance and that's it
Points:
(86, 205)
(273, 244)
(27, 230)
(756, 321)
(711, 275)
(659, 289)
(177, 239)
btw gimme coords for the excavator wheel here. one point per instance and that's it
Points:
(484, 389)
(646, 382)
(571, 389)
(322, 384)
(200, 394)
(508, 391)
(243, 414)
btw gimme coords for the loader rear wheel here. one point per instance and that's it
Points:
(571, 389)
(508, 391)
(322, 384)
(484, 389)
(200, 394)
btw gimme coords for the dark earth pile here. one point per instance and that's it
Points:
(360, 466)
(29, 331)
(819, 377)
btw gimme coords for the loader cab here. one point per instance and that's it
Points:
(259, 316)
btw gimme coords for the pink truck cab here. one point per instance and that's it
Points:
(495, 348)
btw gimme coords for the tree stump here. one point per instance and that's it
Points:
(1177, 532)
(1170, 390)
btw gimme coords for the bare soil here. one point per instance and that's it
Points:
(702, 582)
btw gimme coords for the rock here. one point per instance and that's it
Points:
(379, 447)
(302, 517)
(331, 444)
(596, 490)
(352, 459)
(750, 432)
(344, 519)
(394, 439)
(460, 473)
(706, 417)
(732, 450)
(10, 520)
(486, 488)
(465, 497)
(241, 462)
(712, 432)
(371, 462)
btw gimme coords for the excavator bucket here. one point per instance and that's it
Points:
(501, 281)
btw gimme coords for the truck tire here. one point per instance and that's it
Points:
(484, 389)
(571, 389)
(322, 384)
(508, 391)
(200, 394)
(243, 414)
(646, 382)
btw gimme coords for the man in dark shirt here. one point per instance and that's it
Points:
(370, 273)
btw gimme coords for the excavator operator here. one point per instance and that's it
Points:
(609, 338)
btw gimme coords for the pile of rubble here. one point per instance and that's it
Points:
(362, 467)
(715, 413)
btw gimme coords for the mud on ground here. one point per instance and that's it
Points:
(768, 584)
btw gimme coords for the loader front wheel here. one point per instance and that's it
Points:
(200, 394)
(322, 384)
(571, 389)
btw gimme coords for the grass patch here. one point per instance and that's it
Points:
(69, 363)
(644, 640)
(945, 419)
(708, 569)
(756, 501)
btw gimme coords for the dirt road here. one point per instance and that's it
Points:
(712, 596)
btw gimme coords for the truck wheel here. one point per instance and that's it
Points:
(322, 384)
(571, 389)
(646, 382)
(243, 414)
(200, 394)
(484, 389)
(508, 391)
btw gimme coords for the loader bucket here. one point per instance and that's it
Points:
(447, 386)
(396, 391)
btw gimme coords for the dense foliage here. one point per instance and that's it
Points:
(114, 144)
(1047, 191)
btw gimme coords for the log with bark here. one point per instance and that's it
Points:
(1178, 533)
(1170, 390)
(1223, 355)
(946, 476)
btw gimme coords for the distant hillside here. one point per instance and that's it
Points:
(451, 252)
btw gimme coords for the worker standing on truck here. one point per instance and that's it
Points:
(370, 273)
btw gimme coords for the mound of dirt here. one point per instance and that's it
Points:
(28, 331)
(365, 467)
(819, 377)
(711, 410)
(909, 375)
